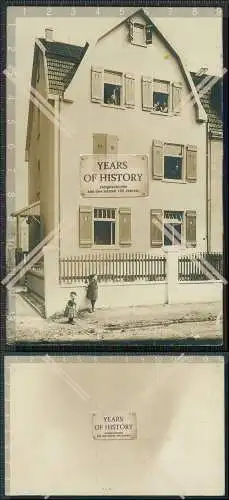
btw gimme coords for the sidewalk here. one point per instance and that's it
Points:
(152, 322)
(158, 314)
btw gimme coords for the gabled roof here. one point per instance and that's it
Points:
(62, 60)
(212, 103)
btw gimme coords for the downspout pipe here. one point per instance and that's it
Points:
(208, 187)
(57, 229)
(58, 188)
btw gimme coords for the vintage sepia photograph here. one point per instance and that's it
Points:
(115, 174)
(114, 425)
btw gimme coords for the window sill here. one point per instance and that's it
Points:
(160, 113)
(139, 44)
(176, 181)
(112, 106)
(106, 247)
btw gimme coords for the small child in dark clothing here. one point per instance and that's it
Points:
(70, 310)
(92, 291)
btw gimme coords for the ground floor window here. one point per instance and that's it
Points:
(104, 226)
(173, 227)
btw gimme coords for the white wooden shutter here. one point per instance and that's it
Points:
(85, 226)
(99, 144)
(147, 93)
(131, 30)
(112, 145)
(158, 160)
(96, 84)
(176, 97)
(191, 163)
(125, 226)
(190, 228)
(149, 33)
(105, 144)
(129, 90)
(156, 228)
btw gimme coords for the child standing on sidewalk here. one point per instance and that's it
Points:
(70, 309)
(92, 291)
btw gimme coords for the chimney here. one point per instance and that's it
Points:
(48, 34)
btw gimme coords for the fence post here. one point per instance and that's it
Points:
(51, 277)
(172, 272)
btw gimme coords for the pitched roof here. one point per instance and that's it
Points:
(212, 103)
(63, 60)
(200, 111)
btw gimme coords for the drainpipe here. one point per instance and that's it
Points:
(208, 187)
(57, 172)
(59, 162)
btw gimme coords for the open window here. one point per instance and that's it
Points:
(113, 88)
(140, 33)
(161, 96)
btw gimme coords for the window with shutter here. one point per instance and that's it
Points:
(156, 228)
(96, 84)
(157, 159)
(190, 228)
(139, 33)
(85, 226)
(176, 97)
(191, 163)
(129, 90)
(147, 93)
(125, 226)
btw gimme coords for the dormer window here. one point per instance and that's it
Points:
(140, 33)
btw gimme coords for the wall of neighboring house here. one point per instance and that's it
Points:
(136, 130)
(41, 175)
(216, 195)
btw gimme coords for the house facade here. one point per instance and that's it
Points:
(124, 167)
(123, 104)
